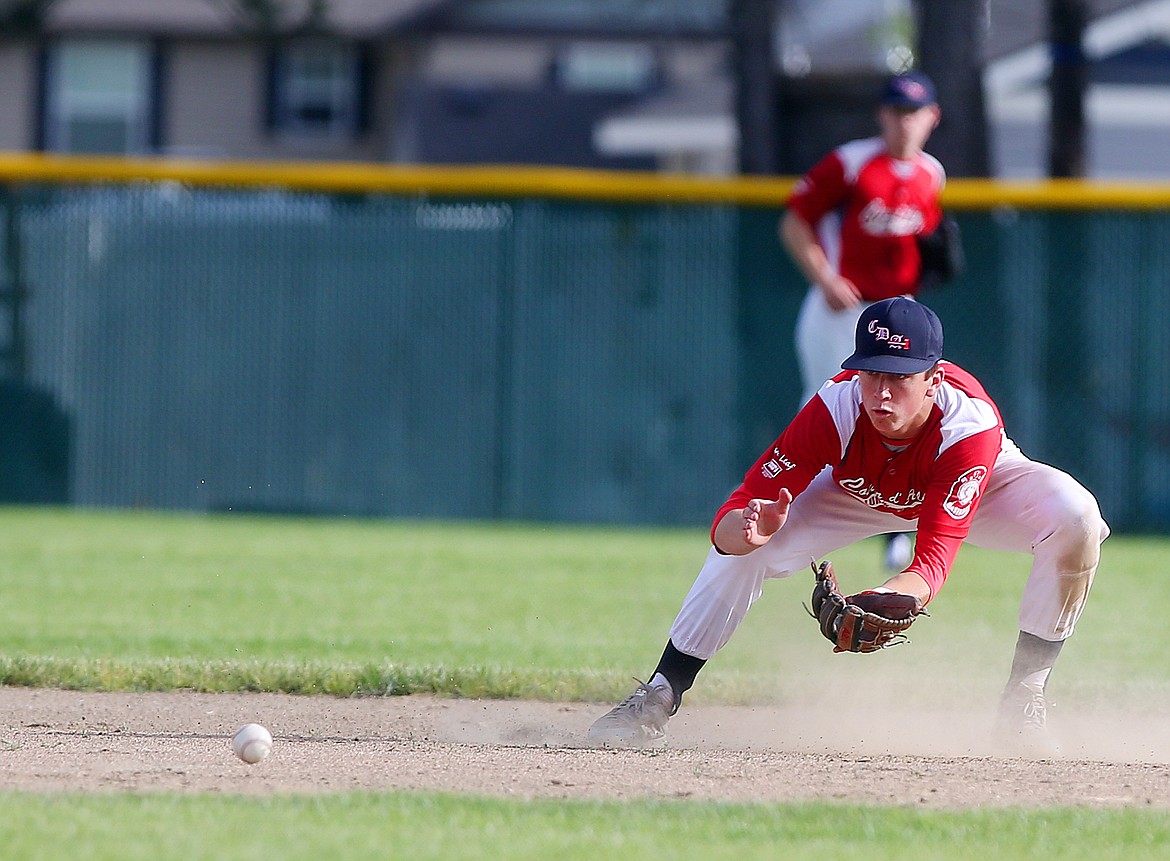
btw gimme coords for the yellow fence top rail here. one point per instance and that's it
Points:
(549, 182)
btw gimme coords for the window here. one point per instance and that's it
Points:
(627, 68)
(316, 89)
(98, 97)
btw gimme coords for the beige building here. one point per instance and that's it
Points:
(370, 80)
(195, 77)
(590, 83)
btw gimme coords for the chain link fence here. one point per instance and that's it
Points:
(519, 356)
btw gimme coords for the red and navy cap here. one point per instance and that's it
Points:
(896, 336)
(909, 90)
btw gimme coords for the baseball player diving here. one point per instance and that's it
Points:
(911, 442)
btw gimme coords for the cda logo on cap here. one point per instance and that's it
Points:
(896, 336)
(909, 91)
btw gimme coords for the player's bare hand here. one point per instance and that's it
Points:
(763, 518)
(841, 293)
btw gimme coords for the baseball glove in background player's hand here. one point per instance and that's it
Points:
(864, 622)
(941, 254)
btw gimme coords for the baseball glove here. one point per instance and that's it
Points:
(941, 254)
(864, 622)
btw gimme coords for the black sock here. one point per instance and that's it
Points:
(679, 669)
(1033, 655)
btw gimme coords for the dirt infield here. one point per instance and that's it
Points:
(179, 742)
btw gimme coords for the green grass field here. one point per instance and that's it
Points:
(420, 827)
(102, 600)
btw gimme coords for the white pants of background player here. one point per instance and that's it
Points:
(1027, 507)
(824, 339)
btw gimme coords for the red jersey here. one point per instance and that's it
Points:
(936, 479)
(867, 209)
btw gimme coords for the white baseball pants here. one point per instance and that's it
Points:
(824, 339)
(1027, 507)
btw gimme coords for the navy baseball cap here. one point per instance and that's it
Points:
(896, 336)
(910, 90)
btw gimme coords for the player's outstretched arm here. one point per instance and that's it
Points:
(909, 583)
(742, 530)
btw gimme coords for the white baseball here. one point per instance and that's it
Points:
(252, 743)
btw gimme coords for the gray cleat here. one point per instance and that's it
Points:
(638, 719)
(1021, 728)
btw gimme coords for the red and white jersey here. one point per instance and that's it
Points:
(867, 208)
(937, 479)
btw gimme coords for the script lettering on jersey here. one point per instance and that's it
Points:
(871, 496)
(966, 489)
(903, 220)
(776, 464)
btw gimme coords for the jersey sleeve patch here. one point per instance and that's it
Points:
(965, 492)
(776, 464)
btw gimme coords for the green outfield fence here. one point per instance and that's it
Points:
(499, 342)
